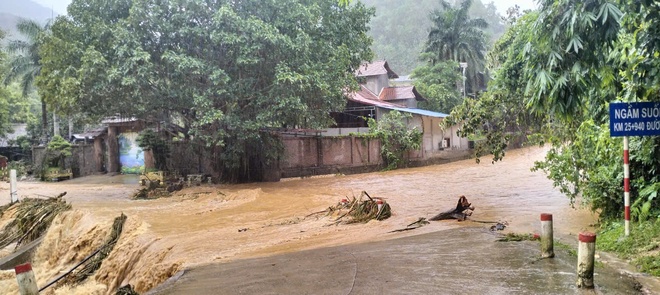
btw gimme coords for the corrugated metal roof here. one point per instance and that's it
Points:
(118, 119)
(400, 92)
(418, 112)
(376, 68)
(91, 134)
(365, 96)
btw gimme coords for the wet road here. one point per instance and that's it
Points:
(457, 261)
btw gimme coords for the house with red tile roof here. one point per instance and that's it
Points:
(376, 97)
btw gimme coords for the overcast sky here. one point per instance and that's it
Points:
(60, 5)
(503, 5)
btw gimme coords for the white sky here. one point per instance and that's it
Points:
(502, 5)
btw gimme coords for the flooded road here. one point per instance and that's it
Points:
(223, 223)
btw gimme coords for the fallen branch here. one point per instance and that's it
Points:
(415, 225)
(461, 212)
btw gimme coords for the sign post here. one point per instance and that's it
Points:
(632, 119)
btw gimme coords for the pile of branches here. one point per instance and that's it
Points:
(357, 210)
(93, 261)
(32, 219)
(154, 190)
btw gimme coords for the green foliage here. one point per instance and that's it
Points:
(455, 36)
(437, 83)
(640, 246)
(589, 167)
(149, 140)
(396, 138)
(498, 116)
(556, 70)
(57, 150)
(566, 54)
(224, 71)
(24, 65)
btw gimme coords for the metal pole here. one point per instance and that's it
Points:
(626, 185)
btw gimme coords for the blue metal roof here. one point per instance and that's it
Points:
(418, 111)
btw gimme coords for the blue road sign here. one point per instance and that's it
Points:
(635, 118)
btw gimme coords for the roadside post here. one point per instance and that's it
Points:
(13, 190)
(632, 119)
(585, 264)
(547, 240)
(27, 282)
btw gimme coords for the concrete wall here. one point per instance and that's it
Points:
(82, 161)
(304, 156)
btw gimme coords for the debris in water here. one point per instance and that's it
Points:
(461, 212)
(498, 226)
(415, 225)
(126, 290)
(357, 210)
(93, 262)
(32, 219)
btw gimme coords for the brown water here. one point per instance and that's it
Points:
(201, 225)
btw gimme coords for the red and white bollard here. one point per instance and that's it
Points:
(585, 264)
(27, 282)
(380, 204)
(547, 240)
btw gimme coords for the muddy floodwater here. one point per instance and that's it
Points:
(206, 225)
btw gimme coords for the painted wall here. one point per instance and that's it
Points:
(131, 156)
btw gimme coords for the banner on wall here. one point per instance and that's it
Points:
(131, 156)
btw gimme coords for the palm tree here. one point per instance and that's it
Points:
(24, 65)
(457, 37)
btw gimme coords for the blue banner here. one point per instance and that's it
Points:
(635, 118)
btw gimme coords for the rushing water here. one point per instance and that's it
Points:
(221, 223)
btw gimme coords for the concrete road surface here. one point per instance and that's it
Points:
(460, 261)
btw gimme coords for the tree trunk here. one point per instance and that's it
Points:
(44, 120)
(56, 125)
(70, 128)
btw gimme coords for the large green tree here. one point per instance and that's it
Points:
(24, 65)
(224, 72)
(438, 84)
(455, 36)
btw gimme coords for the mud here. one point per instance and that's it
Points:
(223, 223)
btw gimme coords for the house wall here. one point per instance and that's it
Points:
(376, 83)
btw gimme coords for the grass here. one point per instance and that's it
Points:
(641, 247)
(571, 250)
